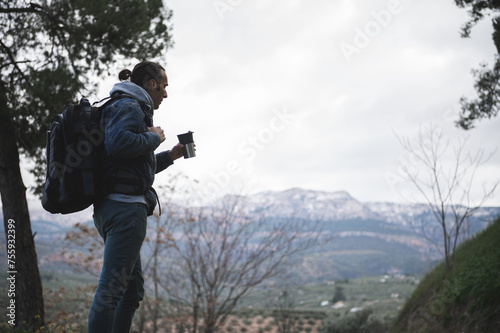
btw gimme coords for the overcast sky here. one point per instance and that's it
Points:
(311, 94)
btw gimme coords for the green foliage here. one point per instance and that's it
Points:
(339, 295)
(488, 102)
(477, 10)
(464, 298)
(50, 49)
(430, 283)
(476, 285)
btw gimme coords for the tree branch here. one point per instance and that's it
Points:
(13, 60)
(443, 187)
(33, 8)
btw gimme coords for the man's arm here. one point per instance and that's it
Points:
(123, 139)
(166, 158)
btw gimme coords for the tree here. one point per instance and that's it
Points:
(221, 254)
(83, 238)
(284, 313)
(48, 52)
(338, 295)
(445, 187)
(487, 86)
(157, 243)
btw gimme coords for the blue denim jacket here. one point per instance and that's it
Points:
(128, 158)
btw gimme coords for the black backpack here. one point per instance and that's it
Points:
(74, 148)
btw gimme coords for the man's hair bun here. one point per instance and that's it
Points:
(125, 75)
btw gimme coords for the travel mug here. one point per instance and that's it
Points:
(187, 140)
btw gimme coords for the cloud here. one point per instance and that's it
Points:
(230, 72)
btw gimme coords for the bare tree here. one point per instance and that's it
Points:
(82, 249)
(222, 253)
(284, 313)
(204, 259)
(446, 186)
(156, 244)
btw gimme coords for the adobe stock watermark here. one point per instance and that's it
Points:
(222, 7)
(398, 181)
(248, 150)
(372, 29)
(425, 318)
(409, 169)
(451, 115)
(11, 271)
(410, 164)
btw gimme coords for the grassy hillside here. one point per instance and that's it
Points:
(464, 299)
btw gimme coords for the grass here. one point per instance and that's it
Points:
(465, 297)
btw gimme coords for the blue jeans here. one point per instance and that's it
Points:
(121, 285)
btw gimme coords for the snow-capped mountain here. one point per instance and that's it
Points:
(340, 205)
(367, 238)
(331, 206)
(310, 204)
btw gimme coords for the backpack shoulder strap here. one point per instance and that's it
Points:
(111, 99)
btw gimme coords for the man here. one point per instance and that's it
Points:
(121, 216)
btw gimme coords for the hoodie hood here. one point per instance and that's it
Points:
(129, 88)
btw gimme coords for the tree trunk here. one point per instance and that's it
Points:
(156, 302)
(26, 298)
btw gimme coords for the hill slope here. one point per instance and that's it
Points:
(464, 299)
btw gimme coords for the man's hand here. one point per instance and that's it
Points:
(176, 151)
(159, 131)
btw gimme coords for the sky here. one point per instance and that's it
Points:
(313, 94)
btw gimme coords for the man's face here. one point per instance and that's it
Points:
(158, 91)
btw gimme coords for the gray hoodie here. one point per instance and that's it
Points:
(132, 89)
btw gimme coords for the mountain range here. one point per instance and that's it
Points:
(366, 238)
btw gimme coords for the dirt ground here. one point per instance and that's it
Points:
(259, 324)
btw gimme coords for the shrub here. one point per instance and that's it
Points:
(362, 321)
